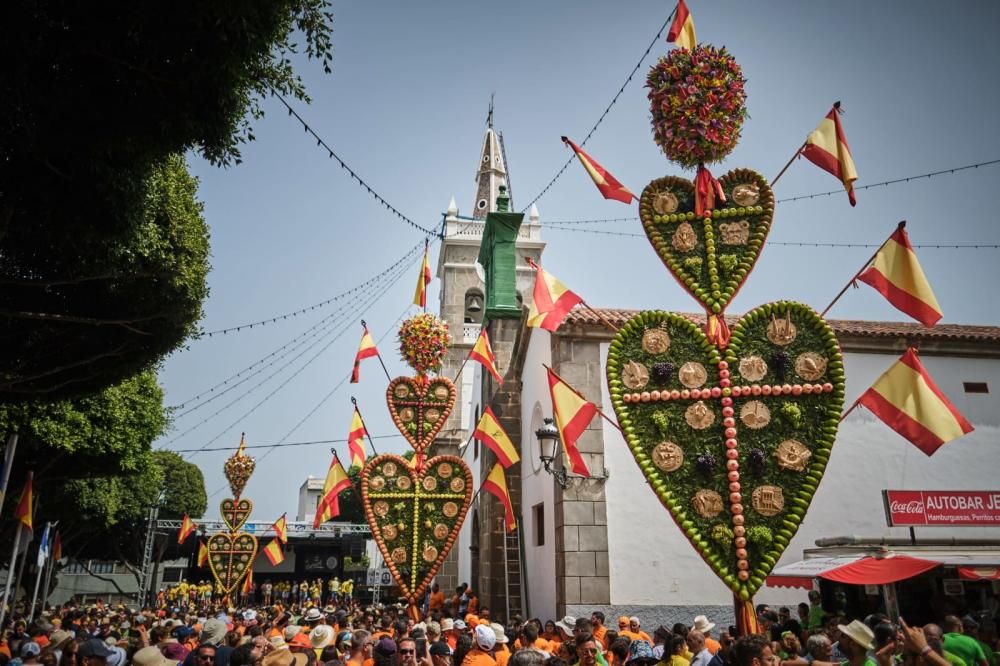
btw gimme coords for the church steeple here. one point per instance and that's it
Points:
(492, 171)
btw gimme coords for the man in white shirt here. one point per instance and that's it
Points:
(696, 643)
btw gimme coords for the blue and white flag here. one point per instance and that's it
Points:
(43, 547)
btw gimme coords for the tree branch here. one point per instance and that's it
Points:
(83, 564)
(73, 281)
(73, 319)
(9, 385)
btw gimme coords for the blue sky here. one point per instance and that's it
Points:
(405, 106)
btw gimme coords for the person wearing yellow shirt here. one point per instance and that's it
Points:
(347, 588)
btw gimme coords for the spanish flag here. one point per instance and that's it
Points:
(827, 148)
(682, 29)
(496, 485)
(606, 183)
(573, 414)
(57, 548)
(483, 352)
(275, 553)
(420, 295)
(366, 349)
(337, 482)
(356, 439)
(202, 554)
(490, 433)
(896, 274)
(908, 401)
(187, 527)
(23, 510)
(280, 528)
(551, 301)
(247, 588)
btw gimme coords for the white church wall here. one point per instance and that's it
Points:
(867, 458)
(469, 455)
(537, 486)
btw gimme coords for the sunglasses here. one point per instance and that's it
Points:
(407, 652)
(206, 657)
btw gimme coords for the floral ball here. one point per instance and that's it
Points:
(423, 341)
(698, 102)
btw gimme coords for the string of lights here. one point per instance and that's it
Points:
(938, 246)
(330, 152)
(278, 445)
(329, 338)
(322, 322)
(309, 308)
(349, 324)
(614, 100)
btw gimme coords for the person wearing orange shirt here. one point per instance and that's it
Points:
(500, 652)
(600, 631)
(473, 602)
(436, 602)
(625, 629)
(483, 641)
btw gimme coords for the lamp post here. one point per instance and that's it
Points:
(548, 440)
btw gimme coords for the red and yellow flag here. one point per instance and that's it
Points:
(490, 433)
(551, 301)
(908, 401)
(483, 352)
(280, 528)
(57, 548)
(573, 414)
(896, 274)
(275, 553)
(606, 183)
(681, 30)
(247, 588)
(187, 527)
(827, 148)
(366, 349)
(337, 482)
(356, 440)
(24, 505)
(496, 484)
(424, 279)
(202, 554)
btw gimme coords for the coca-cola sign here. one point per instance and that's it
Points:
(944, 508)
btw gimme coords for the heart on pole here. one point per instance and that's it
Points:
(235, 512)
(710, 256)
(415, 516)
(420, 407)
(230, 557)
(733, 442)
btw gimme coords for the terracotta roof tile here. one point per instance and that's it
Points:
(849, 327)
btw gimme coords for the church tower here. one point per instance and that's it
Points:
(492, 171)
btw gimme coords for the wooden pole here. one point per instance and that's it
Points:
(602, 414)
(789, 163)
(850, 409)
(10, 574)
(377, 354)
(604, 320)
(367, 434)
(860, 271)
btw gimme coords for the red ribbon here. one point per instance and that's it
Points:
(706, 189)
(717, 330)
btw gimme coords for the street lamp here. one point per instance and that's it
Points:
(548, 440)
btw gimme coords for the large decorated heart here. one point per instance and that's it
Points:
(415, 516)
(734, 443)
(230, 557)
(419, 407)
(710, 256)
(235, 512)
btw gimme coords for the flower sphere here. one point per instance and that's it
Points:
(423, 341)
(698, 102)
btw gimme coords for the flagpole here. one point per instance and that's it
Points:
(850, 409)
(38, 575)
(854, 279)
(597, 314)
(8, 458)
(48, 573)
(462, 367)
(789, 163)
(354, 402)
(10, 573)
(603, 415)
(378, 354)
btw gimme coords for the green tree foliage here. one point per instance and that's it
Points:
(183, 484)
(103, 252)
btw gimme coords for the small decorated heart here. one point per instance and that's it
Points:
(734, 443)
(420, 407)
(415, 516)
(710, 256)
(230, 557)
(235, 512)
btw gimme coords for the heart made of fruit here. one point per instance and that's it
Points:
(419, 407)
(230, 557)
(710, 256)
(734, 444)
(235, 512)
(415, 517)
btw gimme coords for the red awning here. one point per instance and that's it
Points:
(879, 571)
(979, 573)
(801, 574)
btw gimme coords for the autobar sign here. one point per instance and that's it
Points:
(944, 508)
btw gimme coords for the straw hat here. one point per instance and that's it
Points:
(321, 636)
(858, 632)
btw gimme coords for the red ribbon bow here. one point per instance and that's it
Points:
(706, 189)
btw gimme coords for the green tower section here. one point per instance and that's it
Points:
(498, 257)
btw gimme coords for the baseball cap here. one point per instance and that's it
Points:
(30, 649)
(93, 647)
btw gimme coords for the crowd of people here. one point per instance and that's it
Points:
(186, 627)
(316, 591)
